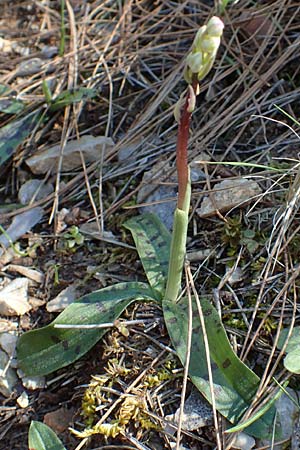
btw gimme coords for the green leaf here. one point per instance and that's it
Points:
(66, 98)
(47, 349)
(235, 384)
(292, 360)
(14, 133)
(41, 437)
(152, 241)
(9, 105)
(260, 412)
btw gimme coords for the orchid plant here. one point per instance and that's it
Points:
(60, 343)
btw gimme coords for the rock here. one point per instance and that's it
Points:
(8, 342)
(235, 275)
(8, 325)
(91, 148)
(243, 441)
(8, 377)
(7, 46)
(23, 400)
(21, 224)
(287, 414)
(295, 442)
(227, 195)
(197, 172)
(127, 152)
(63, 299)
(287, 418)
(14, 298)
(49, 51)
(197, 413)
(34, 189)
(159, 196)
(29, 67)
(31, 274)
(32, 382)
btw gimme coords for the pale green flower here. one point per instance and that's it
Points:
(204, 49)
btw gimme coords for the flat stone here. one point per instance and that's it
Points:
(8, 342)
(34, 189)
(197, 413)
(14, 298)
(8, 377)
(63, 299)
(91, 148)
(229, 194)
(156, 195)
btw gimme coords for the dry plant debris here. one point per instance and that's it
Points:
(130, 55)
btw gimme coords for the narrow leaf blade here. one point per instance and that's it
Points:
(41, 437)
(70, 97)
(14, 133)
(234, 383)
(152, 241)
(9, 104)
(47, 349)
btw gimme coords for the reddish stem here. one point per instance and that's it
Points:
(182, 147)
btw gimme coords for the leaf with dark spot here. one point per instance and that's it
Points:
(47, 349)
(235, 384)
(14, 133)
(152, 241)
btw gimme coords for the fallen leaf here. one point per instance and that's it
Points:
(59, 420)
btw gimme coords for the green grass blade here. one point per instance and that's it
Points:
(70, 97)
(14, 133)
(234, 383)
(47, 349)
(260, 413)
(152, 241)
(293, 119)
(41, 437)
(242, 164)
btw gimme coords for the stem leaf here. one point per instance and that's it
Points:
(152, 241)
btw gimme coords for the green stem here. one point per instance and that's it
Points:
(178, 247)
(181, 215)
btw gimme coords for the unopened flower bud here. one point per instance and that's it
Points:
(210, 44)
(198, 38)
(215, 27)
(204, 49)
(194, 61)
